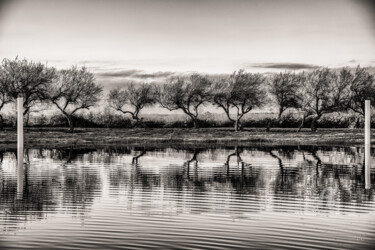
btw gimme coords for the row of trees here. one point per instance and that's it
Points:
(313, 94)
(236, 95)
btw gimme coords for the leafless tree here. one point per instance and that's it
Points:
(75, 89)
(27, 79)
(186, 95)
(4, 96)
(132, 100)
(322, 91)
(284, 87)
(239, 93)
(362, 87)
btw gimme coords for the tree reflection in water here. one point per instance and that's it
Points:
(47, 186)
(70, 179)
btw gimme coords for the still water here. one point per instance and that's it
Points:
(216, 198)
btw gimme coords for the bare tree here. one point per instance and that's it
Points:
(186, 95)
(27, 79)
(132, 100)
(362, 87)
(284, 87)
(322, 92)
(239, 93)
(75, 89)
(4, 96)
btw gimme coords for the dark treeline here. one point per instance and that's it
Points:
(311, 95)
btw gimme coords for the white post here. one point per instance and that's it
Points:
(367, 143)
(20, 146)
(20, 126)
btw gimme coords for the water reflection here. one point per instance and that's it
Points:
(368, 170)
(20, 174)
(240, 182)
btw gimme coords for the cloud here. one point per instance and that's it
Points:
(154, 75)
(134, 74)
(115, 77)
(119, 73)
(287, 66)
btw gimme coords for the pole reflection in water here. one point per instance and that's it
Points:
(20, 172)
(367, 173)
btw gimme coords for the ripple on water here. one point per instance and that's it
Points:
(136, 198)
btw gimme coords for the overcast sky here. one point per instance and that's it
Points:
(210, 36)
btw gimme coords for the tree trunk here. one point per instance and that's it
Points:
(313, 123)
(301, 125)
(1, 122)
(354, 123)
(139, 123)
(136, 124)
(193, 118)
(71, 127)
(357, 122)
(271, 122)
(70, 122)
(25, 110)
(269, 125)
(236, 125)
(27, 119)
(1, 156)
(196, 124)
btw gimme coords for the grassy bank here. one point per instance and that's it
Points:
(111, 119)
(91, 137)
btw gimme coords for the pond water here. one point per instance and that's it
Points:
(216, 198)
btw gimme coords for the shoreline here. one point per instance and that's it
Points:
(46, 137)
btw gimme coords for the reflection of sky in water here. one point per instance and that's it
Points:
(130, 197)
